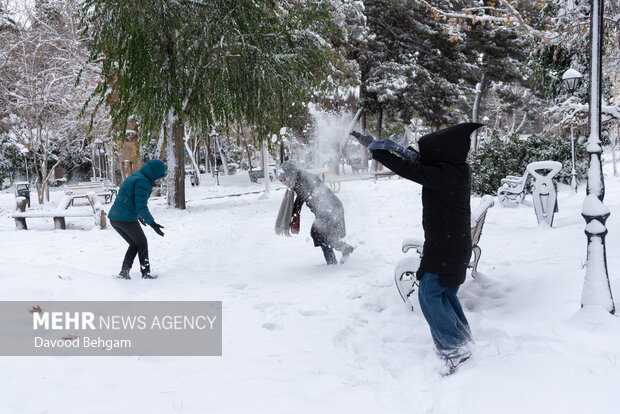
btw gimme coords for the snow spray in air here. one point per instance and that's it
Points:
(331, 137)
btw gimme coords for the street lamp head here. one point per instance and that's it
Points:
(485, 119)
(571, 79)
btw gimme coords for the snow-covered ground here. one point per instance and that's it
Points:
(302, 337)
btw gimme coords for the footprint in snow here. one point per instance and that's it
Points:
(272, 326)
(313, 313)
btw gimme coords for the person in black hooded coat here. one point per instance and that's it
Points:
(442, 170)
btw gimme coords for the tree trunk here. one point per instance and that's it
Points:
(266, 164)
(193, 161)
(161, 147)
(176, 163)
(365, 152)
(208, 158)
(615, 146)
(92, 159)
(46, 187)
(375, 165)
(247, 148)
(222, 156)
(474, 116)
(197, 154)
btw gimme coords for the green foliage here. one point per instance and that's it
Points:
(12, 163)
(499, 158)
(208, 61)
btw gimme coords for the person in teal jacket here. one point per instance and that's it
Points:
(130, 207)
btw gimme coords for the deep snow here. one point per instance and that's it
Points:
(303, 337)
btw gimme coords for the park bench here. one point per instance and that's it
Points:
(256, 173)
(404, 274)
(60, 214)
(357, 165)
(100, 188)
(512, 190)
(384, 174)
(544, 191)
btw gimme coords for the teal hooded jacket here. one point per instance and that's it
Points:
(135, 192)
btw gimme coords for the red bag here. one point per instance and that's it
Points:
(295, 224)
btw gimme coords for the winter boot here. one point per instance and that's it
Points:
(146, 272)
(330, 256)
(124, 274)
(345, 253)
(452, 363)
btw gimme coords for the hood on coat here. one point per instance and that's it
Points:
(449, 145)
(154, 169)
(290, 168)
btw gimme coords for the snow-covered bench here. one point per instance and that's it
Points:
(404, 274)
(60, 214)
(512, 190)
(544, 195)
(257, 173)
(357, 165)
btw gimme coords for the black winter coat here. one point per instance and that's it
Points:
(328, 226)
(446, 189)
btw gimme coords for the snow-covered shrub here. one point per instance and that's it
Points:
(12, 164)
(501, 157)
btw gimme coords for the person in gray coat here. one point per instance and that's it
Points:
(328, 227)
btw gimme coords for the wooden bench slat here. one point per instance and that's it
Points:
(55, 213)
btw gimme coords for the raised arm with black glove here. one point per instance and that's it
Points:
(157, 228)
(365, 140)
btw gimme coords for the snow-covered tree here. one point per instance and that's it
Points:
(203, 63)
(36, 89)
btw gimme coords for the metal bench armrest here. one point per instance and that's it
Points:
(409, 244)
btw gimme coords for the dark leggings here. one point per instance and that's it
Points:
(328, 250)
(132, 232)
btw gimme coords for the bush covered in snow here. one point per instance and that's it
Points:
(500, 157)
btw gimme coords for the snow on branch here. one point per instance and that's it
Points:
(560, 30)
(572, 112)
(508, 16)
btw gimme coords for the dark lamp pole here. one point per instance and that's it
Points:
(596, 289)
(571, 78)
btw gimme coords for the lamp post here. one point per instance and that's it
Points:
(25, 152)
(596, 289)
(98, 145)
(571, 79)
(485, 121)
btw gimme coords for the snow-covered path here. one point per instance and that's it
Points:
(303, 337)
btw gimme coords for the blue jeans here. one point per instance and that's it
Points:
(444, 314)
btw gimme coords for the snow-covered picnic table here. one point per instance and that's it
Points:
(101, 188)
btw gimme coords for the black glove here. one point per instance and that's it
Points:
(365, 140)
(157, 228)
(141, 220)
